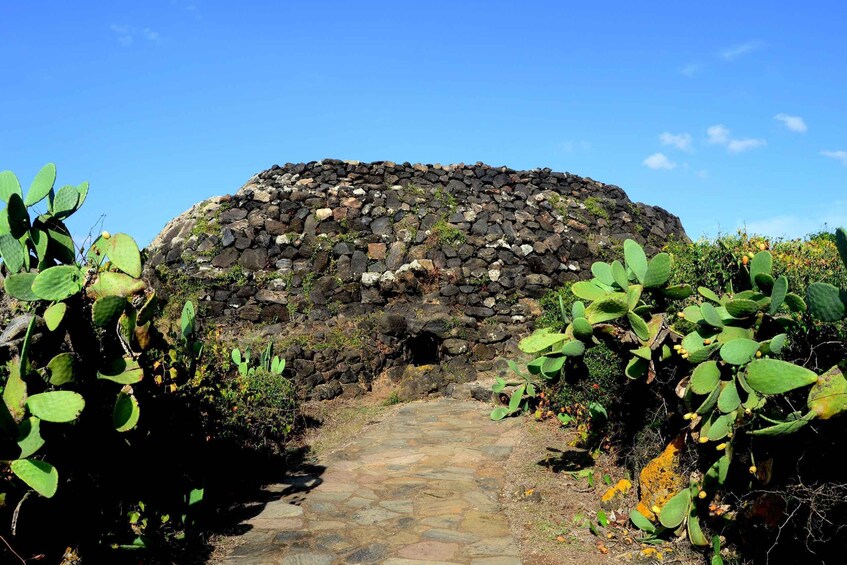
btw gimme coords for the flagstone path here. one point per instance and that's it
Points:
(420, 486)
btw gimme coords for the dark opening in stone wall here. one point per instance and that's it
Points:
(424, 349)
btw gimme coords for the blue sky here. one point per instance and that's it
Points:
(725, 113)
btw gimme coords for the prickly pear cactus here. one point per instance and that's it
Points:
(726, 348)
(42, 268)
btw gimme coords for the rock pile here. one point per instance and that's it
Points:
(425, 272)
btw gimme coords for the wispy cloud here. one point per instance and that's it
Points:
(793, 123)
(680, 141)
(742, 145)
(127, 34)
(190, 6)
(737, 51)
(690, 69)
(572, 146)
(837, 155)
(790, 225)
(720, 135)
(658, 161)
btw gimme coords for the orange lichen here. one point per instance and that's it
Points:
(660, 479)
(620, 488)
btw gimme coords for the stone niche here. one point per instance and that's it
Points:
(423, 275)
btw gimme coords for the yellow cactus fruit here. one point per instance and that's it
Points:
(703, 439)
(655, 509)
(688, 416)
(702, 494)
(762, 247)
(677, 347)
(721, 446)
(105, 235)
(707, 341)
(680, 314)
(758, 354)
(753, 469)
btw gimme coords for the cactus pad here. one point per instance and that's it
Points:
(739, 351)
(29, 437)
(705, 377)
(675, 510)
(638, 325)
(126, 413)
(41, 185)
(58, 283)
(772, 376)
(603, 272)
(538, 341)
(13, 253)
(762, 263)
(61, 369)
(106, 309)
(587, 290)
(658, 271)
(41, 476)
(611, 307)
(18, 216)
(635, 258)
(122, 371)
(124, 254)
(9, 185)
(56, 406)
(826, 302)
(65, 202)
(828, 396)
(741, 308)
(54, 315)
(115, 284)
(573, 348)
(710, 315)
(728, 399)
(19, 286)
(582, 328)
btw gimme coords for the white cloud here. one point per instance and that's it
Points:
(690, 69)
(718, 134)
(572, 146)
(837, 155)
(680, 141)
(741, 145)
(658, 161)
(702, 173)
(126, 34)
(150, 35)
(736, 51)
(793, 123)
(792, 226)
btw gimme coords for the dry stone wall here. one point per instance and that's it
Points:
(423, 273)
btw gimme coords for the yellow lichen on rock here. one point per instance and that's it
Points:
(660, 479)
(615, 493)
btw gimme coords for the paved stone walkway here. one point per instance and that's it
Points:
(421, 486)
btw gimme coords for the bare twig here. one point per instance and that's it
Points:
(17, 513)
(15, 553)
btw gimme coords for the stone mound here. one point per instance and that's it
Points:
(421, 273)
